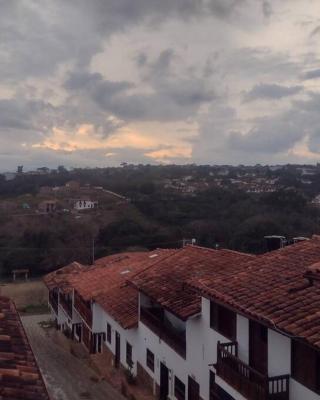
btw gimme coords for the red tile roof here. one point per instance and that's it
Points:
(118, 299)
(20, 377)
(105, 282)
(112, 271)
(61, 277)
(121, 303)
(273, 288)
(165, 281)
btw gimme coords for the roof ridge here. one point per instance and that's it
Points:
(196, 246)
(239, 252)
(174, 252)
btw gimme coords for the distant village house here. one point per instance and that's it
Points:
(73, 185)
(48, 206)
(85, 205)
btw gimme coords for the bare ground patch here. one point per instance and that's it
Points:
(25, 294)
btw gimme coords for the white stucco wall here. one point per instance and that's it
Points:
(202, 348)
(279, 363)
(243, 338)
(162, 353)
(99, 324)
(279, 354)
(300, 392)
(201, 351)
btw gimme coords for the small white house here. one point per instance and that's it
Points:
(85, 204)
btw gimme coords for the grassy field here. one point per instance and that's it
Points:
(30, 297)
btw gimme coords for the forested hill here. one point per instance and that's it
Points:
(140, 207)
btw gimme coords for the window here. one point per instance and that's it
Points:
(179, 389)
(129, 355)
(150, 360)
(109, 333)
(223, 320)
(305, 365)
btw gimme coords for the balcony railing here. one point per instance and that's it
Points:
(66, 304)
(246, 380)
(174, 338)
(53, 301)
(83, 309)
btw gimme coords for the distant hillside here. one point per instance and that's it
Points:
(150, 206)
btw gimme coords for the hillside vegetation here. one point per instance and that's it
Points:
(232, 207)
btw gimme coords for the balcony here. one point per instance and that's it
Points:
(66, 304)
(53, 301)
(154, 320)
(249, 382)
(83, 308)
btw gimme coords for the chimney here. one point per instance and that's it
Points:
(275, 242)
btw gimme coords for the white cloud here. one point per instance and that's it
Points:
(105, 81)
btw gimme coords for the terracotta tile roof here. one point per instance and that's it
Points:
(113, 271)
(165, 281)
(273, 288)
(61, 277)
(105, 282)
(121, 303)
(113, 294)
(20, 377)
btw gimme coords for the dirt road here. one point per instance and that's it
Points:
(67, 377)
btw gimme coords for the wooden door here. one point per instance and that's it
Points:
(117, 351)
(193, 389)
(258, 347)
(164, 382)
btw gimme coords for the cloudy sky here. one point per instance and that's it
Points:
(99, 82)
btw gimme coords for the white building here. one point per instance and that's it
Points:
(207, 324)
(85, 205)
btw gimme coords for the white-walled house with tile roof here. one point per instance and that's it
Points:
(216, 325)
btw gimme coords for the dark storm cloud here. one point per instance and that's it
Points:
(314, 74)
(224, 8)
(315, 31)
(259, 63)
(171, 97)
(116, 13)
(271, 92)
(270, 136)
(266, 9)
(36, 38)
(279, 133)
(95, 84)
(191, 56)
(174, 101)
(24, 115)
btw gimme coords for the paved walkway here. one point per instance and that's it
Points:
(66, 377)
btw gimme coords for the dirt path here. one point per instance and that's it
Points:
(66, 377)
